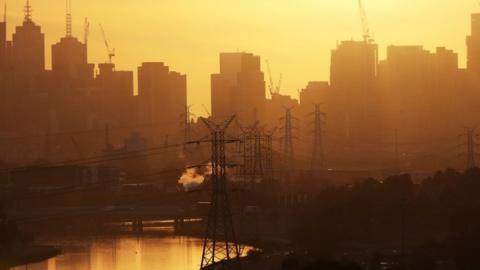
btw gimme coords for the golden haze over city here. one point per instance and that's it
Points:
(189, 34)
(248, 134)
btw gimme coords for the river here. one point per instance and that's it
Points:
(124, 253)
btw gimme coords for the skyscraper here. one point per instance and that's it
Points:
(473, 46)
(419, 89)
(239, 88)
(3, 42)
(352, 75)
(111, 97)
(28, 51)
(162, 95)
(69, 57)
(3, 54)
(314, 92)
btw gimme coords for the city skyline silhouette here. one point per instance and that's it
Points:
(212, 135)
(256, 28)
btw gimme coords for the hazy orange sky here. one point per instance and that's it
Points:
(295, 35)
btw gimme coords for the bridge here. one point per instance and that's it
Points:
(138, 216)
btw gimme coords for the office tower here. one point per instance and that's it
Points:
(419, 89)
(3, 42)
(313, 93)
(69, 57)
(473, 46)
(3, 53)
(239, 88)
(69, 60)
(28, 48)
(352, 75)
(162, 95)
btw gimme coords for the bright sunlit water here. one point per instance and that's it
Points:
(125, 253)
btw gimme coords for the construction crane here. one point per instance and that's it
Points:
(271, 87)
(111, 52)
(86, 31)
(367, 37)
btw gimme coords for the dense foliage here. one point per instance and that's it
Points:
(435, 221)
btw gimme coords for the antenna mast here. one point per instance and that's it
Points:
(69, 18)
(27, 12)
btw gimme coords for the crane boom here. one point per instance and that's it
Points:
(111, 52)
(86, 31)
(364, 20)
(270, 86)
(279, 85)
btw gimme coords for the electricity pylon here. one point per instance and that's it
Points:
(219, 244)
(258, 166)
(288, 153)
(318, 154)
(471, 145)
(250, 162)
(268, 149)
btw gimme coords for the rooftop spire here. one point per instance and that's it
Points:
(69, 17)
(27, 12)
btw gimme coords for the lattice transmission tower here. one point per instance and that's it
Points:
(318, 153)
(288, 152)
(471, 145)
(219, 243)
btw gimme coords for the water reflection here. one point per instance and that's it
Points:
(125, 253)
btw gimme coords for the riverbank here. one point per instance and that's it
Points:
(27, 255)
(126, 251)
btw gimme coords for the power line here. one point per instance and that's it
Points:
(92, 131)
(103, 158)
(68, 190)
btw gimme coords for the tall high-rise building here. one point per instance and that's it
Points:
(473, 46)
(111, 97)
(69, 61)
(28, 52)
(239, 88)
(162, 94)
(3, 55)
(419, 89)
(406, 76)
(314, 92)
(352, 75)
(5, 46)
(317, 92)
(69, 58)
(3, 42)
